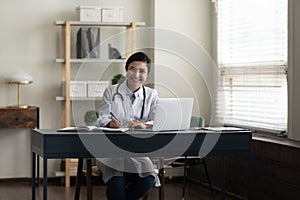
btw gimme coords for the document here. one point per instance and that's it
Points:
(91, 129)
(227, 128)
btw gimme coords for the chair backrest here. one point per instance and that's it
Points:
(197, 121)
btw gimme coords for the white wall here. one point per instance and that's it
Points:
(29, 42)
(182, 51)
(15, 153)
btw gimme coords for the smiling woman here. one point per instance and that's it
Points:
(118, 98)
(136, 74)
(118, 109)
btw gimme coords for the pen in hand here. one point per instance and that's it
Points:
(114, 116)
(114, 123)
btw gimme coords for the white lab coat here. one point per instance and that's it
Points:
(125, 111)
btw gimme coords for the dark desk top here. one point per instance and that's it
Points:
(53, 144)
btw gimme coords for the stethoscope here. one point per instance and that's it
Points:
(117, 93)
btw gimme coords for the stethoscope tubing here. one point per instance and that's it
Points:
(117, 93)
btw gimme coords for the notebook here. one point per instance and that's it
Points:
(172, 114)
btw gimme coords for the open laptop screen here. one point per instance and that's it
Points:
(173, 114)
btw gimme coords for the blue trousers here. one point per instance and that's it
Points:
(128, 187)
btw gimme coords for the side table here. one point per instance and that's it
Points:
(19, 117)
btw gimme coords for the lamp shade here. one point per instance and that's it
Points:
(18, 77)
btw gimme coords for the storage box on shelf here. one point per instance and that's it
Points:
(77, 89)
(85, 90)
(112, 14)
(97, 14)
(96, 88)
(89, 13)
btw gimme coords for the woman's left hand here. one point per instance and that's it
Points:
(137, 124)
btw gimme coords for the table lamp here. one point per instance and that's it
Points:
(19, 78)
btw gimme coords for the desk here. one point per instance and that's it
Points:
(52, 144)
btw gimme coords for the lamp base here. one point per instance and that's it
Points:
(19, 106)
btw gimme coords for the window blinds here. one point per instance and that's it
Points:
(252, 59)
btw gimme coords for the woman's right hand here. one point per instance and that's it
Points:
(115, 123)
(137, 124)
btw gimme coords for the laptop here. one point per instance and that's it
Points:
(172, 114)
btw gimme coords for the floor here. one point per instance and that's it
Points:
(21, 190)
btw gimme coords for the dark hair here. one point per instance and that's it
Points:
(138, 56)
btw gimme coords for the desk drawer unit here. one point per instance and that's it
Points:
(14, 117)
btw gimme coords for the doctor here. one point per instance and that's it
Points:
(129, 104)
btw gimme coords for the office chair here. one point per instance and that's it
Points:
(90, 171)
(159, 163)
(188, 161)
(79, 178)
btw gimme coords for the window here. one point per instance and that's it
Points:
(252, 61)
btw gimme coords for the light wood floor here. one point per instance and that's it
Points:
(21, 190)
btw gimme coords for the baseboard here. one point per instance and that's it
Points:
(11, 180)
(17, 180)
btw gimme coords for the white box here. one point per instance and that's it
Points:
(77, 89)
(112, 14)
(171, 172)
(89, 13)
(96, 88)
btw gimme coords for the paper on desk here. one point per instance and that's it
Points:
(112, 129)
(223, 128)
(91, 129)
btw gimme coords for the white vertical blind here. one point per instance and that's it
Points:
(252, 59)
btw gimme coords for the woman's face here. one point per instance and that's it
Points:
(136, 74)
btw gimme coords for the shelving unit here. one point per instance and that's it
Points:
(65, 60)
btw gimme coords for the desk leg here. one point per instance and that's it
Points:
(33, 175)
(89, 179)
(223, 181)
(45, 179)
(38, 170)
(250, 181)
(78, 179)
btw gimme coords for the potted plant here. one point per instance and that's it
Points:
(90, 117)
(119, 78)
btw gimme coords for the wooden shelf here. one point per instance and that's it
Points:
(87, 60)
(79, 23)
(62, 98)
